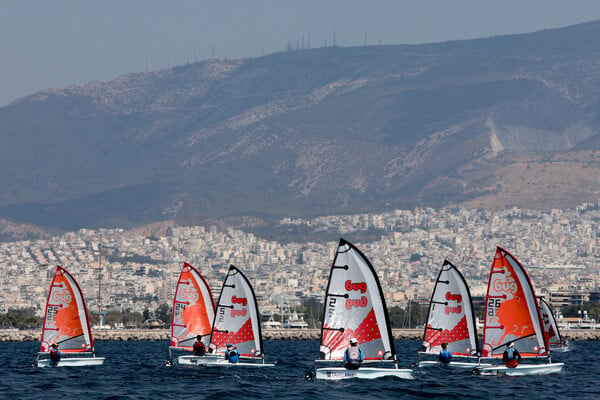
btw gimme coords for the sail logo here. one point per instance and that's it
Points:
(355, 286)
(453, 297)
(239, 300)
(509, 285)
(188, 294)
(453, 310)
(63, 296)
(241, 313)
(362, 302)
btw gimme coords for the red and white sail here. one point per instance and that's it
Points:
(512, 312)
(553, 337)
(237, 319)
(66, 321)
(451, 319)
(355, 308)
(193, 309)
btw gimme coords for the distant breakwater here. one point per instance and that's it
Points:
(14, 335)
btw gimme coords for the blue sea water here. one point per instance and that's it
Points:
(136, 370)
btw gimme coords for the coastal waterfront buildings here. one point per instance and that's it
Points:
(560, 250)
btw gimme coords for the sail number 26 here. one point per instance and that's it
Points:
(492, 305)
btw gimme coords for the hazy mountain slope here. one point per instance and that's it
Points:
(304, 133)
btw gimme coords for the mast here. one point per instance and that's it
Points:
(281, 302)
(100, 283)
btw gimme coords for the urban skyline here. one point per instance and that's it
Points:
(559, 249)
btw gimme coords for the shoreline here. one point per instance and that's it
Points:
(14, 335)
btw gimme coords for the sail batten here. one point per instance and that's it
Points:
(193, 309)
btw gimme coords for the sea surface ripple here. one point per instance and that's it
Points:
(136, 370)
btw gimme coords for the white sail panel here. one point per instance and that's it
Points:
(354, 307)
(66, 321)
(451, 319)
(193, 309)
(237, 318)
(553, 337)
(512, 312)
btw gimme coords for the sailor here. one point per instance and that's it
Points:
(54, 354)
(353, 355)
(511, 356)
(199, 348)
(445, 355)
(232, 354)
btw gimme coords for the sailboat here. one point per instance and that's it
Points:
(236, 322)
(66, 324)
(555, 341)
(355, 308)
(193, 313)
(451, 320)
(512, 315)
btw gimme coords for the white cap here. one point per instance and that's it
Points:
(353, 341)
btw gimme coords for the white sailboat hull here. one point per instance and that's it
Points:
(522, 369)
(215, 361)
(337, 373)
(453, 364)
(71, 362)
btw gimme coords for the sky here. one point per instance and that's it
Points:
(45, 44)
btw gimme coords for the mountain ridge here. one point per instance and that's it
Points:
(311, 132)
